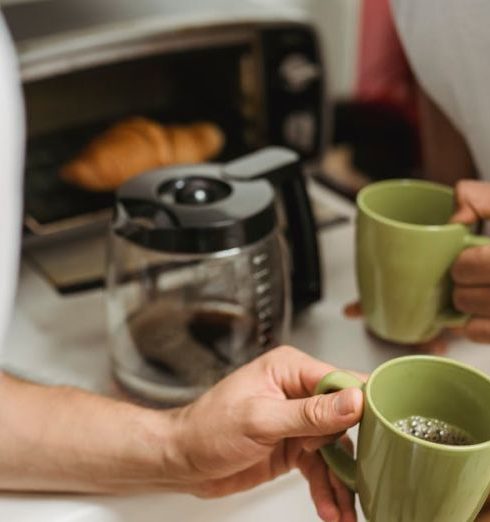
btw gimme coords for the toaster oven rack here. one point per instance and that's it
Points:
(47, 198)
(53, 206)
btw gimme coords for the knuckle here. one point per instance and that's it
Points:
(280, 353)
(252, 419)
(286, 350)
(478, 330)
(463, 185)
(465, 263)
(280, 357)
(456, 273)
(479, 255)
(458, 269)
(460, 298)
(472, 266)
(467, 189)
(482, 261)
(314, 412)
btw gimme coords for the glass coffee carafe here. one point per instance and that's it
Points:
(198, 276)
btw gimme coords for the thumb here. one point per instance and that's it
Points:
(472, 202)
(314, 416)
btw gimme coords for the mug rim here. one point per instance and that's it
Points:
(412, 438)
(364, 192)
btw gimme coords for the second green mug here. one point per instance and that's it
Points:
(404, 251)
(401, 477)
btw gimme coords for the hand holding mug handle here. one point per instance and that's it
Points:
(336, 456)
(469, 272)
(453, 318)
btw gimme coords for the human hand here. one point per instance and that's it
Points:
(471, 270)
(261, 422)
(484, 515)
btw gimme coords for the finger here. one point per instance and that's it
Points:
(293, 371)
(353, 310)
(477, 329)
(346, 441)
(472, 201)
(343, 495)
(315, 471)
(344, 498)
(484, 515)
(472, 267)
(311, 444)
(247, 479)
(455, 331)
(465, 214)
(319, 415)
(437, 346)
(472, 300)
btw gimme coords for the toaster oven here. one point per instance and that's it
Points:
(254, 71)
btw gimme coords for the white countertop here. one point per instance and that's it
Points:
(62, 340)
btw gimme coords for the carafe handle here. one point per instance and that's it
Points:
(282, 168)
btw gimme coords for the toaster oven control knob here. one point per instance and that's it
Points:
(298, 72)
(299, 131)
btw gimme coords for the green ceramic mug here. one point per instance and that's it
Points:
(404, 252)
(402, 478)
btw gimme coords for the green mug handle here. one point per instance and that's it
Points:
(337, 458)
(452, 318)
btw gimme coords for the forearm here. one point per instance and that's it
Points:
(445, 154)
(64, 439)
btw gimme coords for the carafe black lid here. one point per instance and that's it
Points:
(193, 209)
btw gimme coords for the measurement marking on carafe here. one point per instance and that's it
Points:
(265, 337)
(263, 288)
(264, 301)
(265, 326)
(263, 340)
(259, 259)
(265, 313)
(262, 274)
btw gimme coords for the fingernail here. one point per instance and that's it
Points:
(344, 403)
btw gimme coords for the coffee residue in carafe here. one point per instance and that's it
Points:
(199, 344)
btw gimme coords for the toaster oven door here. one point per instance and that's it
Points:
(65, 112)
(264, 87)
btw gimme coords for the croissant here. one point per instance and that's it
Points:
(136, 145)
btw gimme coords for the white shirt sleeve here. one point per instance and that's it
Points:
(11, 174)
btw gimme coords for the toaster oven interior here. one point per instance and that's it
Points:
(65, 112)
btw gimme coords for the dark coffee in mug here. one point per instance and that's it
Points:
(434, 430)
